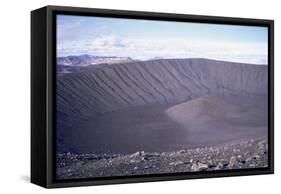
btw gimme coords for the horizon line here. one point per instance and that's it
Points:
(162, 58)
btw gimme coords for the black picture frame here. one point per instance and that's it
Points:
(43, 85)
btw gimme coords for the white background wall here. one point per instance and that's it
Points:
(15, 94)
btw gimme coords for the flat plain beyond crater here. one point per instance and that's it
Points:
(161, 116)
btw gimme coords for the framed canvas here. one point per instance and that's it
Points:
(127, 96)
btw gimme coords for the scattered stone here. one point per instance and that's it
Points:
(145, 158)
(135, 154)
(232, 161)
(219, 166)
(248, 160)
(230, 156)
(199, 167)
(225, 163)
(194, 167)
(182, 151)
(256, 157)
(252, 165)
(156, 154)
(202, 166)
(134, 161)
(175, 163)
(172, 154)
(211, 166)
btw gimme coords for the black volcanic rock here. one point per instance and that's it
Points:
(216, 158)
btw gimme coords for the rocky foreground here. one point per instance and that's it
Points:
(245, 154)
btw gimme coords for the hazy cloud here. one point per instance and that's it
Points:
(172, 47)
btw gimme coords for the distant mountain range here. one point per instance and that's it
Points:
(85, 60)
(71, 64)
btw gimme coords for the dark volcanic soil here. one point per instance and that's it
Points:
(204, 121)
(245, 154)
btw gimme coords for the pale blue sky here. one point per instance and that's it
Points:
(145, 39)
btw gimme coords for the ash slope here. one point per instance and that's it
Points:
(161, 81)
(214, 120)
(135, 92)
